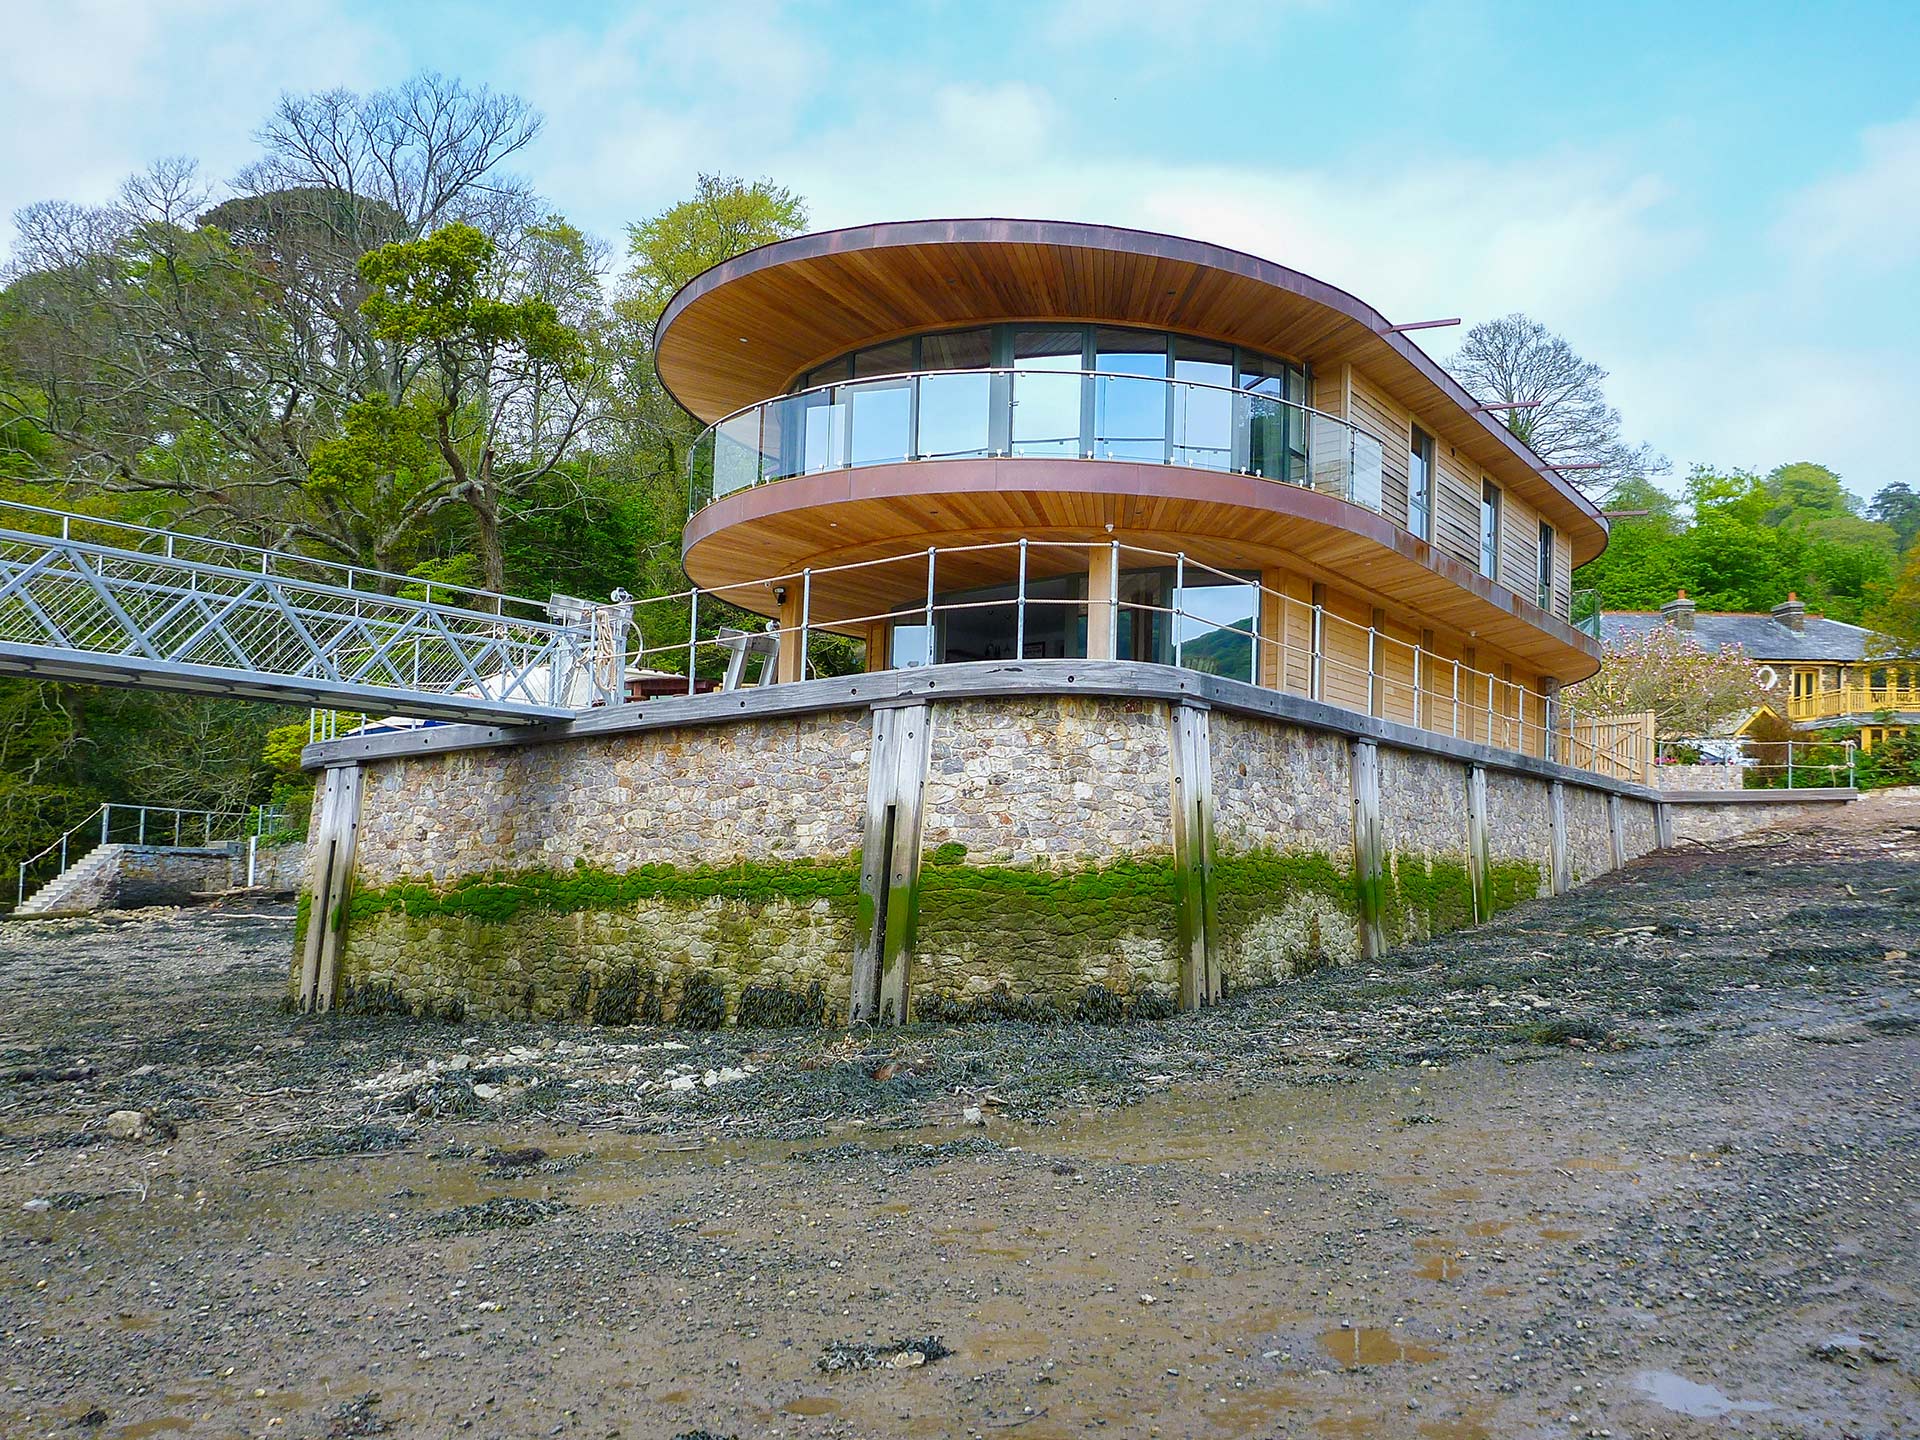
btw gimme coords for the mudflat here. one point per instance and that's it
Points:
(1641, 1161)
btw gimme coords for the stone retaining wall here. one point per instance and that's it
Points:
(702, 869)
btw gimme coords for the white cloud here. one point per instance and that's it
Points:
(1867, 217)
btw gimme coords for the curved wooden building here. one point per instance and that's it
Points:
(1212, 460)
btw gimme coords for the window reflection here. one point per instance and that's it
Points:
(1130, 416)
(1046, 391)
(1203, 410)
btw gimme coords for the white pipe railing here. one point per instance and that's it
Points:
(1289, 644)
(1768, 764)
(165, 825)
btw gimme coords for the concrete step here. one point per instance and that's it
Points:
(72, 884)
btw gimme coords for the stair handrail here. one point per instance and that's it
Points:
(103, 812)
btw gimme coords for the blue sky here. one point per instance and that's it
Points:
(1719, 202)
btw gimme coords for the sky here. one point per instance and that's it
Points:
(1717, 202)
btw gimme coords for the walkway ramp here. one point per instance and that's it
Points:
(160, 611)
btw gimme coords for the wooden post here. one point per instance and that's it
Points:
(890, 864)
(1369, 866)
(1663, 825)
(1271, 671)
(330, 886)
(1103, 591)
(879, 635)
(1557, 816)
(786, 668)
(1616, 829)
(1479, 850)
(1192, 760)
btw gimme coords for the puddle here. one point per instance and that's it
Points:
(1374, 1347)
(1439, 1267)
(1485, 1229)
(1555, 1234)
(674, 1397)
(1595, 1162)
(164, 1425)
(1686, 1397)
(1252, 1412)
(812, 1405)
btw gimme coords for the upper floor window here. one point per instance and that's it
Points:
(1546, 566)
(1489, 530)
(1420, 484)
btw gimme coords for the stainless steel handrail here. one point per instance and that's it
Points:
(708, 440)
(104, 814)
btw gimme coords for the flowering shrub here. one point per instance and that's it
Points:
(1690, 690)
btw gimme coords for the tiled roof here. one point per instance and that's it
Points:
(1761, 636)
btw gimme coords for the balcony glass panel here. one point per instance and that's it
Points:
(736, 453)
(1365, 486)
(1046, 391)
(821, 423)
(880, 423)
(956, 415)
(1203, 410)
(1129, 415)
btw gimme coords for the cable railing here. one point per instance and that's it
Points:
(1746, 763)
(1068, 414)
(1027, 599)
(114, 823)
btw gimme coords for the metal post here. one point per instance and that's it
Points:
(1179, 602)
(1789, 764)
(1416, 687)
(931, 551)
(1850, 749)
(1490, 739)
(253, 850)
(140, 837)
(806, 611)
(1113, 607)
(63, 854)
(693, 631)
(1456, 697)
(1373, 699)
(105, 811)
(1020, 607)
(176, 829)
(1317, 670)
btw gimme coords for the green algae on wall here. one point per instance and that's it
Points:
(650, 941)
(1044, 932)
(1279, 914)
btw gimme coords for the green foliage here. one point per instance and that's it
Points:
(1897, 507)
(725, 216)
(1750, 541)
(1894, 761)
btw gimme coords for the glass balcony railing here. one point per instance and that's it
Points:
(1065, 414)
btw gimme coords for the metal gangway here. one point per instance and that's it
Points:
(110, 603)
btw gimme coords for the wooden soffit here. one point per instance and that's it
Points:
(742, 331)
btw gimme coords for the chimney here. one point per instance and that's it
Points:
(1792, 613)
(1678, 612)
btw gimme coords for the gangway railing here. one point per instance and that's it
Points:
(179, 612)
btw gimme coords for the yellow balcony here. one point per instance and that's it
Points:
(1853, 700)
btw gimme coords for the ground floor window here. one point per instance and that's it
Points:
(1205, 621)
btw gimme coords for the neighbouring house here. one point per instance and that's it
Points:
(1820, 674)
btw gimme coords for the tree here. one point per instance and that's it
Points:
(504, 384)
(1516, 359)
(1692, 691)
(1897, 617)
(1803, 491)
(197, 352)
(725, 217)
(1898, 508)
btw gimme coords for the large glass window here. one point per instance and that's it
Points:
(1489, 530)
(1420, 484)
(1046, 390)
(1129, 416)
(956, 411)
(1546, 566)
(1276, 443)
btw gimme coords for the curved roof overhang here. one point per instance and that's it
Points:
(742, 331)
(845, 517)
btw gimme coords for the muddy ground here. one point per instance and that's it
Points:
(1638, 1162)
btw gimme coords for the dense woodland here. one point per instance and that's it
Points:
(378, 343)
